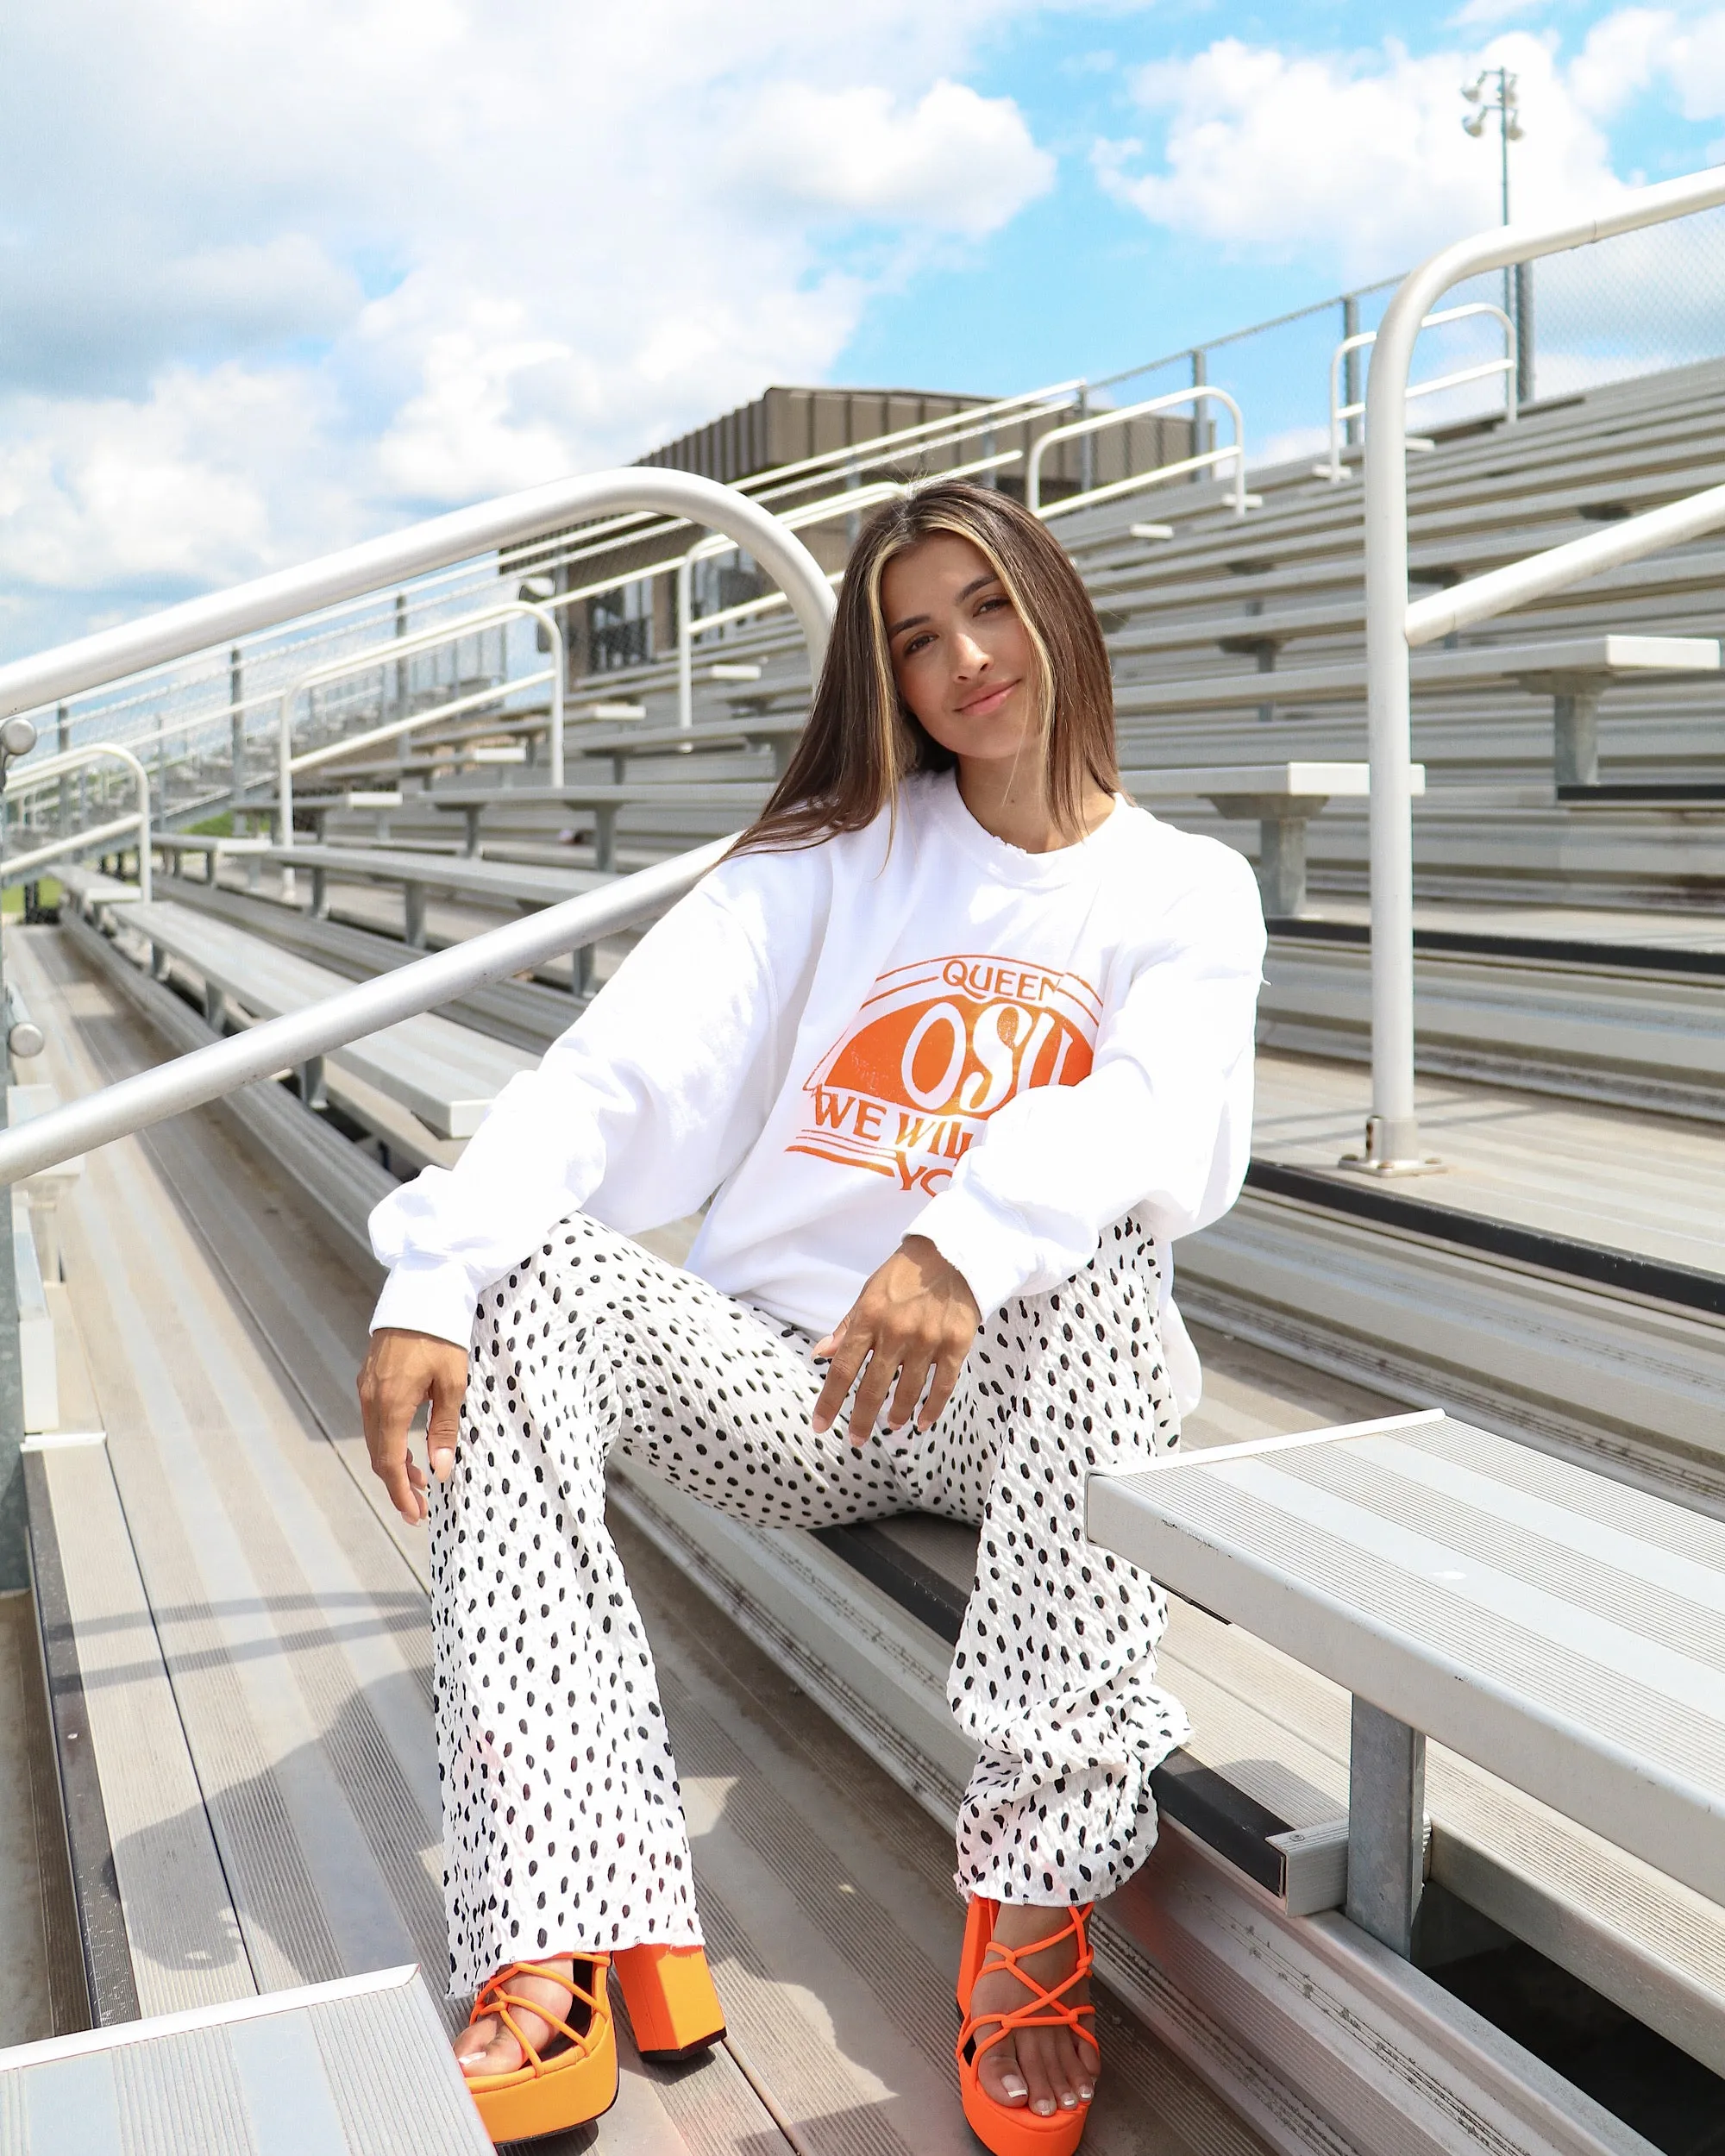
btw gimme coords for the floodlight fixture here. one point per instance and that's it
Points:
(1475, 90)
(1474, 124)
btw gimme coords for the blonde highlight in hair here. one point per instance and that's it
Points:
(862, 740)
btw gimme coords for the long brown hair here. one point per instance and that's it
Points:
(862, 740)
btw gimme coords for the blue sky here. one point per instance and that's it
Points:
(1080, 281)
(273, 278)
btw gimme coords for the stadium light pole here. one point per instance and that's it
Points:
(1518, 282)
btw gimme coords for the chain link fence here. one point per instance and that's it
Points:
(1624, 308)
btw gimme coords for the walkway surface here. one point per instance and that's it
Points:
(1651, 1185)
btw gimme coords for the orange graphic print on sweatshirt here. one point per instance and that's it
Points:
(936, 1047)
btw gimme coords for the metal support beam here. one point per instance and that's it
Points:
(1282, 866)
(237, 721)
(1386, 1827)
(1350, 366)
(14, 1569)
(1575, 734)
(1388, 626)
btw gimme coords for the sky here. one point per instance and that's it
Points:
(276, 278)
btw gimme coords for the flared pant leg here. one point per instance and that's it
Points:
(563, 1821)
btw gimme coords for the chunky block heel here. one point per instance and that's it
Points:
(672, 2008)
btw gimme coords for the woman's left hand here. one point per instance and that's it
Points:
(915, 1315)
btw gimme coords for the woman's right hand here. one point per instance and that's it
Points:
(401, 1370)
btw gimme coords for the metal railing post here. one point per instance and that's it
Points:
(236, 738)
(15, 1564)
(1524, 333)
(63, 741)
(1392, 1143)
(283, 773)
(141, 822)
(685, 640)
(1350, 366)
(1201, 432)
(1204, 460)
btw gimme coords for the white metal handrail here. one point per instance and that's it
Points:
(1518, 583)
(1393, 1133)
(1339, 412)
(851, 503)
(70, 760)
(767, 487)
(217, 618)
(286, 1043)
(392, 730)
(632, 527)
(188, 1080)
(1200, 392)
(811, 512)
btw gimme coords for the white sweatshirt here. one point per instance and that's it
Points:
(914, 1030)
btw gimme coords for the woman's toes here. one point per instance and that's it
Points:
(1002, 2078)
(474, 2046)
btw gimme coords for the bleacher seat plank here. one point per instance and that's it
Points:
(166, 1869)
(1611, 654)
(447, 1075)
(360, 2067)
(1560, 1629)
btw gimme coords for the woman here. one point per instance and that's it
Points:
(962, 1041)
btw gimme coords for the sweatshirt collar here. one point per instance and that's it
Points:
(1011, 864)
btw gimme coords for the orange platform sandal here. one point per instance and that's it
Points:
(1002, 2129)
(573, 2079)
(674, 2011)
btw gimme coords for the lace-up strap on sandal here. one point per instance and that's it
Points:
(569, 2081)
(1004, 2130)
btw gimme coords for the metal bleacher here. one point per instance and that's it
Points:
(234, 1621)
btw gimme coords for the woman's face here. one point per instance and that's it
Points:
(963, 661)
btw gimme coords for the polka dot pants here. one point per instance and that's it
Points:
(564, 1827)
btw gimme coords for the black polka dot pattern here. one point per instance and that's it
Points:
(563, 1826)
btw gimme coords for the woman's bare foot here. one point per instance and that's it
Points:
(1044, 2070)
(486, 2047)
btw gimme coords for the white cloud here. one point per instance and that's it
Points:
(200, 482)
(278, 277)
(1639, 49)
(955, 162)
(1358, 163)
(1478, 15)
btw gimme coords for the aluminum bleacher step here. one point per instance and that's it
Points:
(1564, 1267)
(446, 1074)
(1593, 1017)
(359, 2067)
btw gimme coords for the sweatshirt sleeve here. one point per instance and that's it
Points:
(1161, 1127)
(636, 1115)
